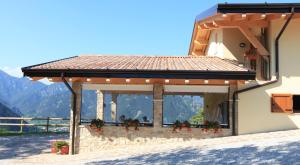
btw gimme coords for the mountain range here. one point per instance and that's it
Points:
(23, 97)
(32, 98)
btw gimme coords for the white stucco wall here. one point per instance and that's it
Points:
(215, 46)
(231, 44)
(225, 43)
(254, 107)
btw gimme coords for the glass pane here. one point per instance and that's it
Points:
(135, 106)
(183, 107)
(89, 103)
(107, 107)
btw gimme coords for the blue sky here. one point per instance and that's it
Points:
(35, 31)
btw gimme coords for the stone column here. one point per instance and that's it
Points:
(100, 101)
(76, 86)
(232, 88)
(157, 105)
(114, 98)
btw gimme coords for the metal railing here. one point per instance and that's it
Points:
(31, 122)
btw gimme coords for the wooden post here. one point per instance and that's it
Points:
(47, 126)
(21, 126)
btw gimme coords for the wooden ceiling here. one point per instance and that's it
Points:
(243, 21)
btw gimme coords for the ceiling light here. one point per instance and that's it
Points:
(206, 81)
(127, 80)
(107, 80)
(167, 81)
(70, 79)
(147, 80)
(283, 15)
(224, 15)
(186, 81)
(263, 16)
(226, 82)
(244, 15)
(88, 79)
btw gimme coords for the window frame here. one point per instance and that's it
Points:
(194, 94)
(288, 108)
(128, 92)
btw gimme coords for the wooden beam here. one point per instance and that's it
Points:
(253, 40)
(36, 78)
(201, 41)
(233, 24)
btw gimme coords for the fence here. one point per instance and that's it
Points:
(34, 122)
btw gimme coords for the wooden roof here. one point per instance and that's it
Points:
(139, 66)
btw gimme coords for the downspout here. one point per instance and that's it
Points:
(73, 111)
(235, 94)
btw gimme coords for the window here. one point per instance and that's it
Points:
(265, 68)
(128, 105)
(182, 107)
(88, 105)
(281, 103)
(296, 103)
(285, 103)
(194, 108)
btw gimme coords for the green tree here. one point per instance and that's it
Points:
(198, 118)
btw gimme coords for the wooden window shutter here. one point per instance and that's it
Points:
(282, 103)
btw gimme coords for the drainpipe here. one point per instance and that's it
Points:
(235, 94)
(73, 111)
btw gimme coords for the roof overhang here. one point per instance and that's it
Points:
(241, 16)
(249, 8)
(178, 74)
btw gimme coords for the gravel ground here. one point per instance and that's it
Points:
(266, 148)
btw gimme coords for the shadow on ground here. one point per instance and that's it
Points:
(24, 146)
(288, 153)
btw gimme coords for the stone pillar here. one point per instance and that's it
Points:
(76, 86)
(157, 105)
(100, 101)
(232, 88)
(114, 98)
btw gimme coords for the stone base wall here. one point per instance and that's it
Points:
(118, 136)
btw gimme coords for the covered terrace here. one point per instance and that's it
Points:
(157, 91)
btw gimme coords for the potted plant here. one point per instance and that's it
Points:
(64, 150)
(53, 147)
(129, 123)
(187, 124)
(61, 147)
(179, 125)
(97, 125)
(212, 125)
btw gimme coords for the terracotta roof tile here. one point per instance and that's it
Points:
(170, 63)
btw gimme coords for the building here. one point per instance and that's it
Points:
(241, 72)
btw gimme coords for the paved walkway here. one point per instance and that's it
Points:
(266, 148)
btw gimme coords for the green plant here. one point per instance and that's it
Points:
(212, 125)
(59, 144)
(98, 123)
(179, 125)
(198, 118)
(129, 123)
